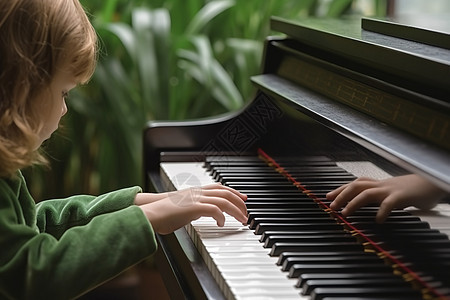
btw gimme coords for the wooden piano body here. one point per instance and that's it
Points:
(350, 93)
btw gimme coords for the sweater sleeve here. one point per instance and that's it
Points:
(100, 242)
(57, 215)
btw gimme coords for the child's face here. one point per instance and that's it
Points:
(55, 106)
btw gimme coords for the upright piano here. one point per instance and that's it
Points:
(336, 100)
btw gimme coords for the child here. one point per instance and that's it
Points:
(391, 193)
(62, 248)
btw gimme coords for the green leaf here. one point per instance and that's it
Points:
(206, 14)
(126, 36)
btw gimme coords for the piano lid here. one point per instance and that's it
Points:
(425, 66)
(388, 94)
(436, 31)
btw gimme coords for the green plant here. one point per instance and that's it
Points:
(160, 59)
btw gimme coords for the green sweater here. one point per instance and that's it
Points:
(62, 248)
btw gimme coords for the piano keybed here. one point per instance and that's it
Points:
(294, 248)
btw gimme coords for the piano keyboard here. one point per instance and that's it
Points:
(248, 266)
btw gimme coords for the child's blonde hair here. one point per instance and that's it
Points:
(36, 37)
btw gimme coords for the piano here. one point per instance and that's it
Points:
(336, 100)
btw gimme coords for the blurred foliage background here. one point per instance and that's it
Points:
(161, 59)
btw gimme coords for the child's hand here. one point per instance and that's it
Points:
(169, 211)
(391, 193)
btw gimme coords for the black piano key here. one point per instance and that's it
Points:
(371, 298)
(297, 160)
(303, 160)
(311, 285)
(323, 177)
(323, 186)
(321, 171)
(401, 233)
(391, 218)
(298, 199)
(232, 163)
(406, 234)
(283, 204)
(297, 269)
(276, 194)
(433, 269)
(372, 211)
(361, 258)
(255, 218)
(273, 185)
(303, 178)
(390, 225)
(430, 262)
(426, 256)
(265, 175)
(336, 237)
(444, 293)
(262, 227)
(301, 165)
(344, 292)
(321, 293)
(292, 220)
(282, 214)
(301, 198)
(296, 195)
(245, 170)
(266, 235)
(243, 184)
(285, 255)
(236, 181)
(269, 185)
(226, 158)
(313, 210)
(305, 277)
(419, 243)
(279, 248)
(322, 183)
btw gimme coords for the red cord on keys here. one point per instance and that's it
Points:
(368, 241)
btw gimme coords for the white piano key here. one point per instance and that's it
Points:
(232, 269)
(184, 175)
(226, 249)
(256, 283)
(438, 217)
(266, 291)
(243, 255)
(245, 262)
(239, 276)
(363, 169)
(227, 243)
(255, 248)
(265, 297)
(242, 283)
(225, 236)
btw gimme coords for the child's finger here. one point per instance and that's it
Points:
(218, 186)
(229, 196)
(226, 206)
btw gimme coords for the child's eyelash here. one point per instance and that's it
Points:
(65, 95)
